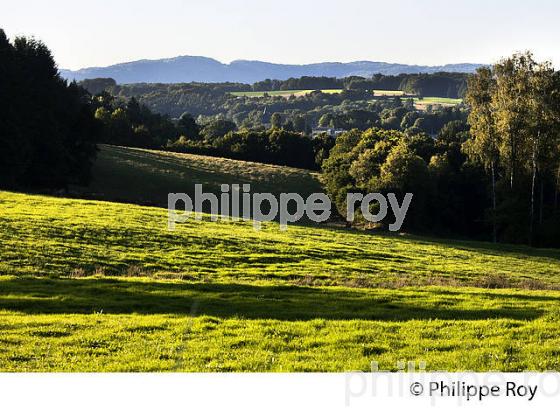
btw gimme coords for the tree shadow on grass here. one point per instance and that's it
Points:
(488, 248)
(511, 296)
(112, 296)
(479, 246)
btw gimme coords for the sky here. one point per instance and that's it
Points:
(426, 32)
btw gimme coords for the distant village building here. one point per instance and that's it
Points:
(331, 132)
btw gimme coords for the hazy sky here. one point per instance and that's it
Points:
(103, 32)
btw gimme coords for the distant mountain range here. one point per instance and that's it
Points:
(204, 69)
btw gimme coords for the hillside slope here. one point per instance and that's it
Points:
(54, 236)
(97, 286)
(145, 176)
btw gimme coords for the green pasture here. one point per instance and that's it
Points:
(97, 286)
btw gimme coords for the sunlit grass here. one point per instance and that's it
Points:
(299, 93)
(281, 93)
(388, 93)
(53, 236)
(97, 286)
(423, 102)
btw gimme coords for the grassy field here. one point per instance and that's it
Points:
(144, 176)
(299, 93)
(422, 103)
(281, 93)
(98, 286)
(419, 103)
(388, 93)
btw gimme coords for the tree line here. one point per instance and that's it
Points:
(515, 129)
(346, 110)
(215, 99)
(443, 84)
(496, 176)
(132, 124)
(451, 85)
(286, 140)
(276, 146)
(48, 133)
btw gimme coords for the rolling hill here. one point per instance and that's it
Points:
(203, 69)
(90, 285)
(97, 286)
(144, 176)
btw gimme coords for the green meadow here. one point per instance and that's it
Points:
(422, 103)
(144, 176)
(299, 93)
(281, 93)
(89, 285)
